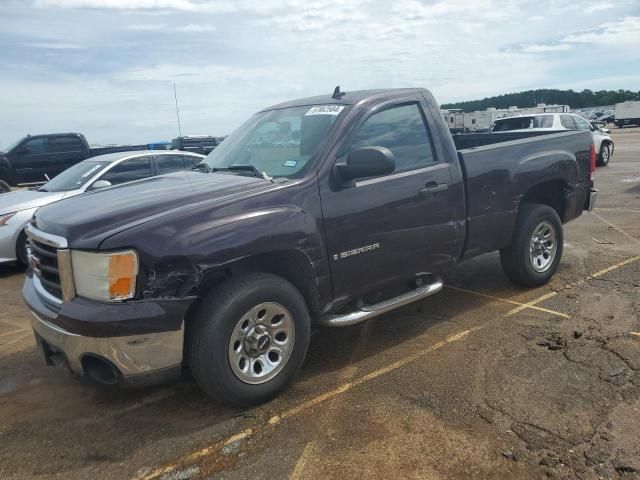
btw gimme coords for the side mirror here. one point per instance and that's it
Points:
(365, 162)
(100, 184)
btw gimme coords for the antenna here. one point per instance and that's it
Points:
(175, 96)
(337, 94)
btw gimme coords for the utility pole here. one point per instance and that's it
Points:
(175, 96)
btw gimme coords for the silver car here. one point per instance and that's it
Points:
(16, 208)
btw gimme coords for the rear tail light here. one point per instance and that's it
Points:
(592, 160)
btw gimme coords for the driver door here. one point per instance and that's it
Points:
(386, 229)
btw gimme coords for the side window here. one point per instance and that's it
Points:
(401, 130)
(129, 170)
(567, 122)
(169, 163)
(65, 144)
(37, 145)
(581, 124)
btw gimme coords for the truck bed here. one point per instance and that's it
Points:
(500, 168)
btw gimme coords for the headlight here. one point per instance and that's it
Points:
(105, 276)
(5, 218)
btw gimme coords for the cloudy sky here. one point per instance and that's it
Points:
(106, 67)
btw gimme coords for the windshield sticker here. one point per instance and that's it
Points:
(90, 171)
(325, 110)
(290, 163)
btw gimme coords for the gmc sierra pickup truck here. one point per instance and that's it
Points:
(329, 210)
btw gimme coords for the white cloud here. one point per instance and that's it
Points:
(544, 48)
(54, 45)
(625, 32)
(147, 27)
(181, 5)
(196, 28)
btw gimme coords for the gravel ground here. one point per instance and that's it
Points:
(484, 380)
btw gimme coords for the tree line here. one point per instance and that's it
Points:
(530, 98)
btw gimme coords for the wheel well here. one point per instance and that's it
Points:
(548, 193)
(292, 265)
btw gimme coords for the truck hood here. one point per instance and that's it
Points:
(87, 220)
(26, 199)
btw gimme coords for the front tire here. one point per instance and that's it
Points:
(21, 248)
(4, 187)
(248, 339)
(536, 248)
(604, 156)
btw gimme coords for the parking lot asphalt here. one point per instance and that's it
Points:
(483, 380)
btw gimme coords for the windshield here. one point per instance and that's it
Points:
(279, 143)
(523, 123)
(74, 177)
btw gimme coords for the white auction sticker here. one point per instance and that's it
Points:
(325, 110)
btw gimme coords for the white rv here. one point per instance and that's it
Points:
(627, 113)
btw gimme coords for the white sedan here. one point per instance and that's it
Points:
(16, 208)
(558, 121)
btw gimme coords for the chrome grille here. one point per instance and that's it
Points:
(44, 261)
(50, 260)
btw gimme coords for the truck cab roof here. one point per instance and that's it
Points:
(349, 98)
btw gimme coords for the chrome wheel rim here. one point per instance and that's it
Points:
(605, 154)
(543, 247)
(261, 343)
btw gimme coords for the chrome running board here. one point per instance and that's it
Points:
(369, 311)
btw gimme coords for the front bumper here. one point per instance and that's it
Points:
(126, 335)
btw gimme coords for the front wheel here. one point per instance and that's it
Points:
(536, 248)
(604, 156)
(4, 187)
(248, 339)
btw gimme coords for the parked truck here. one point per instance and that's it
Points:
(359, 205)
(36, 159)
(627, 113)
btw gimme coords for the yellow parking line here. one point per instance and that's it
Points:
(12, 332)
(615, 227)
(637, 334)
(276, 419)
(615, 267)
(302, 461)
(541, 298)
(512, 302)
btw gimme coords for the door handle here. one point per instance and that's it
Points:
(432, 188)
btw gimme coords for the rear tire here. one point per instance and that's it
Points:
(536, 248)
(4, 187)
(604, 156)
(217, 337)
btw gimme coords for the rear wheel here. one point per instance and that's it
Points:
(605, 154)
(248, 338)
(535, 251)
(4, 187)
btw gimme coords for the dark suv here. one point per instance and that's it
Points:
(198, 143)
(37, 158)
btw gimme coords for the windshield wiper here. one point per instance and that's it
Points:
(251, 169)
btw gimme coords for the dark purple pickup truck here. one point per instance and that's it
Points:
(329, 210)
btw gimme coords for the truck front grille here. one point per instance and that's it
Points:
(50, 260)
(44, 261)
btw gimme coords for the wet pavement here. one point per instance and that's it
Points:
(483, 380)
